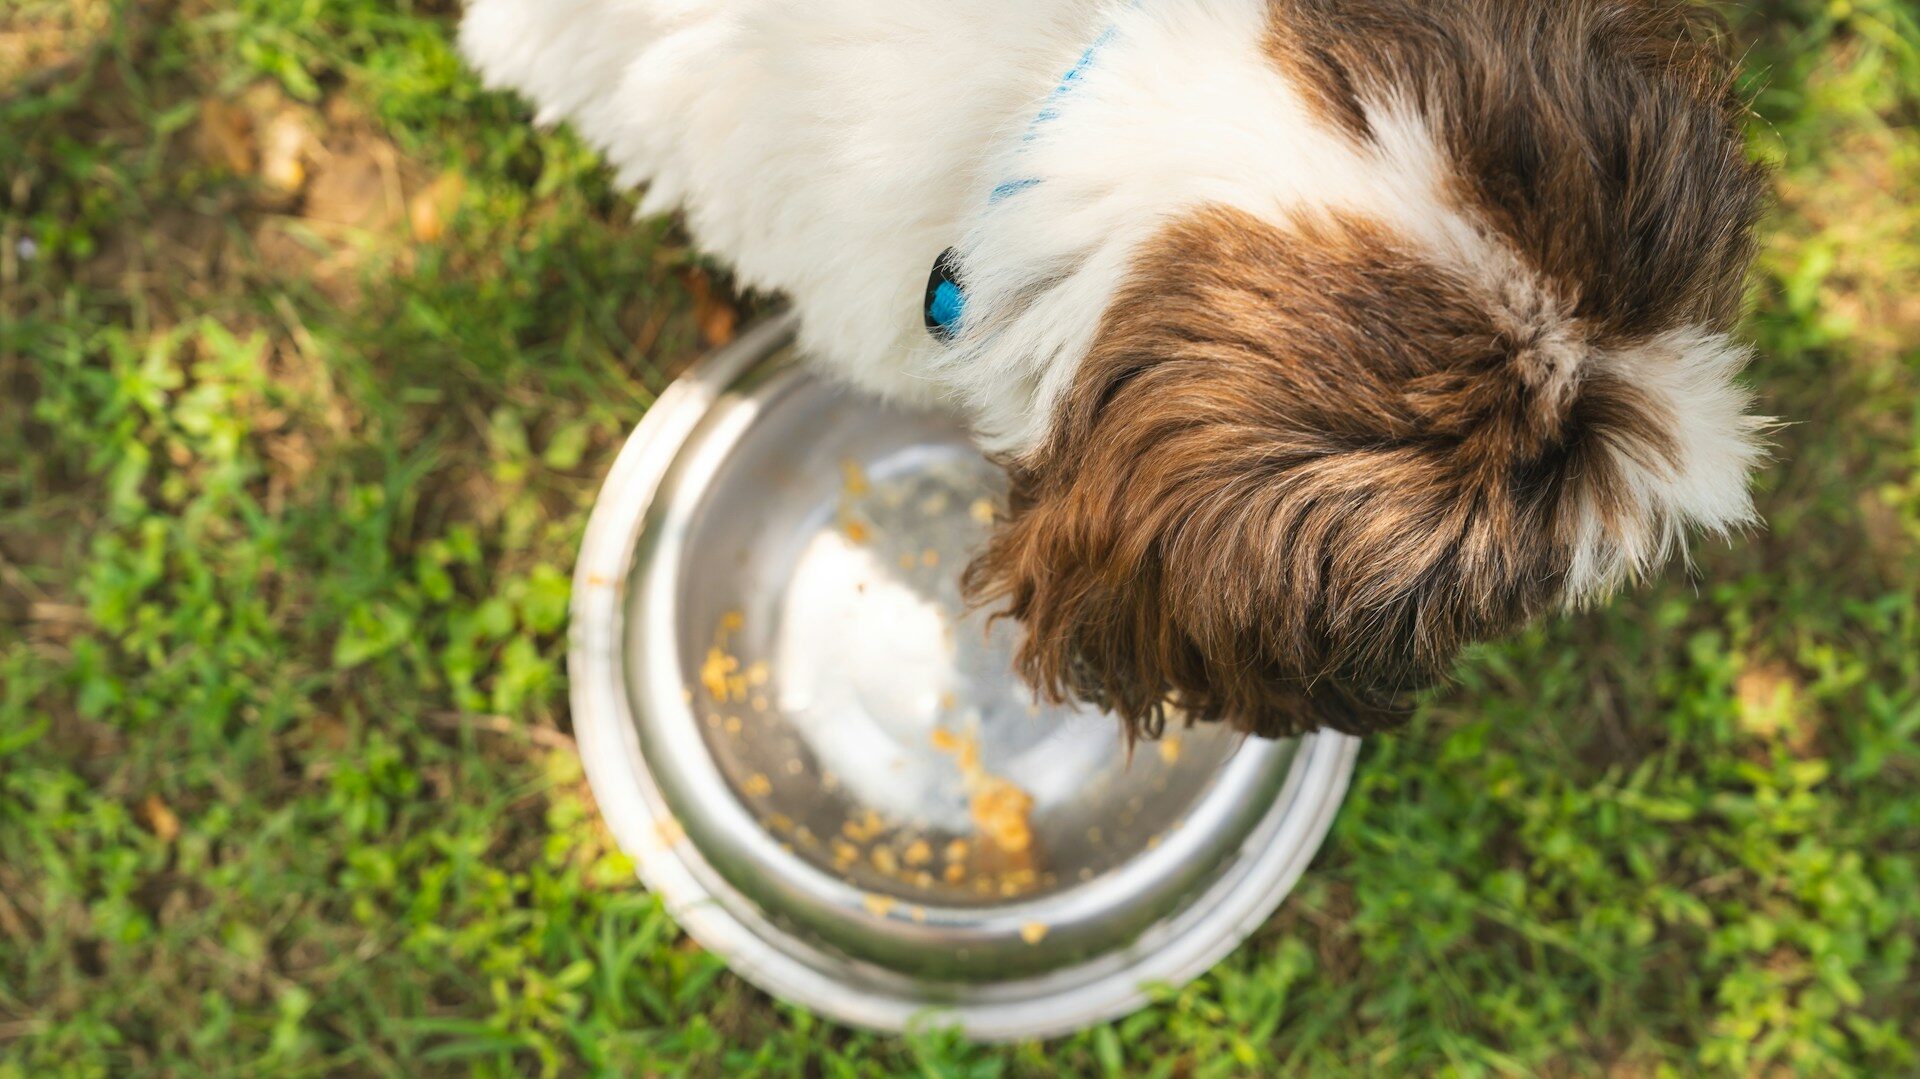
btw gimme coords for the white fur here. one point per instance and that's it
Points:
(830, 149)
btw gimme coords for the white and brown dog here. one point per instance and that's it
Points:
(1321, 337)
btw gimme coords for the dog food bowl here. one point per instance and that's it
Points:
(824, 765)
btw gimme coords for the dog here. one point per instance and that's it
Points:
(1320, 338)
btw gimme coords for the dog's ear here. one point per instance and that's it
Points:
(1289, 506)
(1143, 616)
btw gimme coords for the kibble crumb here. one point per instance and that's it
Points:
(853, 478)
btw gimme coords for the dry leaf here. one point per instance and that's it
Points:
(159, 819)
(1768, 699)
(713, 310)
(429, 211)
(225, 136)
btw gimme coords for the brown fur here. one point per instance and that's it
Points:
(1302, 466)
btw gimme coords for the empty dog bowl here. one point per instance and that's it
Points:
(824, 765)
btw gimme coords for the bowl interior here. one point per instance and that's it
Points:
(857, 710)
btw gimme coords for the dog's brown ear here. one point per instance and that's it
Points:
(1144, 617)
(1290, 507)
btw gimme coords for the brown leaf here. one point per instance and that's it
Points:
(225, 136)
(353, 186)
(159, 819)
(713, 310)
(429, 211)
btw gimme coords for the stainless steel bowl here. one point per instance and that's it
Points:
(827, 770)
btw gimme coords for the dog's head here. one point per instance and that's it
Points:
(1312, 454)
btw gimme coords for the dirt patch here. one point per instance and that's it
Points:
(1772, 706)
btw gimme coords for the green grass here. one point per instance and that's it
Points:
(290, 486)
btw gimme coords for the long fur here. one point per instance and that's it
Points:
(1330, 336)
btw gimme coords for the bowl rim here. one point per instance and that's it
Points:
(1230, 907)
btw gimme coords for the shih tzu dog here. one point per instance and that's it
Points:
(1321, 338)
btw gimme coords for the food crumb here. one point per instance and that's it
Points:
(733, 725)
(757, 786)
(1033, 932)
(715, 671)
(867, 827)
(929, 558)
(886, 861)
(957, 851)
(878, 905)
(844, 854)
(1001, 810)
(919, 853)
(982, 511)
(856, 531)
(794, 767)
(853, 478)
(778, 822)
(955, 873)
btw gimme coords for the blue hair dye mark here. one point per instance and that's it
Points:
(946, 302)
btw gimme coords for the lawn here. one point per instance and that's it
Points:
(312, 355)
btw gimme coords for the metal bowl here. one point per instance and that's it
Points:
(824, 765)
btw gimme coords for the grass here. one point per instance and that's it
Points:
(311, 358)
